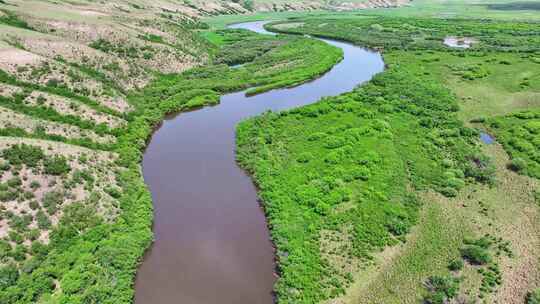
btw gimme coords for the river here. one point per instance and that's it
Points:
(211, 243)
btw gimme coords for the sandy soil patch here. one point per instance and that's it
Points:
(11, 58)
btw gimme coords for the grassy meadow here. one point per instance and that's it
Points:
(473, 230)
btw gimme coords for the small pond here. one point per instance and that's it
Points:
(459, 42)
(486, 138)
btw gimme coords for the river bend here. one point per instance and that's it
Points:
(212, 244)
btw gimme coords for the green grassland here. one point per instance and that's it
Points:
(510, 10)
(493, 9)
(352, 163)
(431, 98)
(519, 133)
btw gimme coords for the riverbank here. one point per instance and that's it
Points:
(478, 197)
(209, 229)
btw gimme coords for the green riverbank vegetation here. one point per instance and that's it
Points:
(386, 194)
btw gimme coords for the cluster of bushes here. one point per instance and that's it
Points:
(20, 154)
(441, 289)
(534, 297)
(240, 46)
(392, 33)
(106, 46)
(470, 72)
(476, 252)
(16, 103)
(41, 134)
(32, 156)
(9, 18)
(61, 91)
(520, 135)
(399, 129)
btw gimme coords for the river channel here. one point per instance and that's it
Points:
(212, 244)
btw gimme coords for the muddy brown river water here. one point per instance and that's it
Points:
(212, 244)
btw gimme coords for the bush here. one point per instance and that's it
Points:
(34, 205)
(14, 182)
(441, 289)
(517, 164)
(113, 191)
(43, 220)
(56, 165)
(455, 265)
(8, 275)
(534, 297)
(304, 157)
(35, 185)
(333, 142)
(449, 192)
(23, 154)
(476, 255)
(6, 196)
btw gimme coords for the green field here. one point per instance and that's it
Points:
(496, 76)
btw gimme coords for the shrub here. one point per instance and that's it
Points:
(35, 185)
(441, 289)
(56, 165)
(33, 234)
(6, 196)
(43, 220)
(455, 265)
(333, 142)
(34, 205)
(19, 254)
(476, 255)
(316, 136)
(304, 157)
(332, 158)
(23, 154)
(449, 192)
(113, 191)
(517, 164)
(15, 237)
(8, 275)
(534, 297)
(14, 182)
